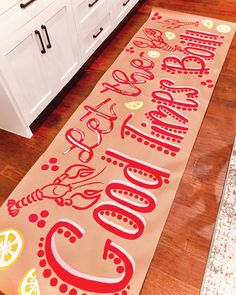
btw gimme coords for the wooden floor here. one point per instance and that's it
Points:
(179, 262)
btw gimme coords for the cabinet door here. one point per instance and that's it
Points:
(22, 68)
(61, 59)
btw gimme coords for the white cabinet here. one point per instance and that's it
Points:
(121, 8)
(22, 65)
(40, 59)
(43, 44)
(61, 60)
(93, 24)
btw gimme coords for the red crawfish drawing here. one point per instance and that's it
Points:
(73, 188)
(154, 40)
(174, 23)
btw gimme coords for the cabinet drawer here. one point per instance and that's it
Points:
(15, 17)
(96, 34)
(121, 8)
(86, 8)
(6, 5)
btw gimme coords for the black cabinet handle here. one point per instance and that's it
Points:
(41, 41)
(124, 4)
(96, 35)
(24, 5)
(91, 4)
(43, 27)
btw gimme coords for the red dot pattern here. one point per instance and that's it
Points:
(35, 217)
(52, 165)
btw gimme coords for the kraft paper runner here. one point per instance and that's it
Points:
(87, 217)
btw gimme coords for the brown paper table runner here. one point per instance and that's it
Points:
(87, 217)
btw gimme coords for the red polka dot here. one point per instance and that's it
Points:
(120, 269)
(45, 167)
(117, 261)
(53, 160)
(60, 231)
(124, 292)
(33, 217)
(67, 234)
(111, 256)
(63, 288)
(44, 213)
(55, 168)
(41, 223)
(53, 282)
(40, 253)
(47, 273)
(73, 292)
(42, 263)
(40, 245)
(72, 240)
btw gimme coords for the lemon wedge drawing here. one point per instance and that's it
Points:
(134, 105)
(29, 284)
(170, 35)
(11, 245)
(208, 23)
(223, 28)
(153, 54)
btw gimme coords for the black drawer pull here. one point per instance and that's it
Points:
(24, 5)
(43, 27)
(96, 35)
(124, 4)
(41, 41)
(91, 4)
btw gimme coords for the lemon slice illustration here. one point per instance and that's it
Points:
(208, 23)
(223, 28)
(134, 105)
(153, 54)
(170, 35)
(29, 284)
(11, 245)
